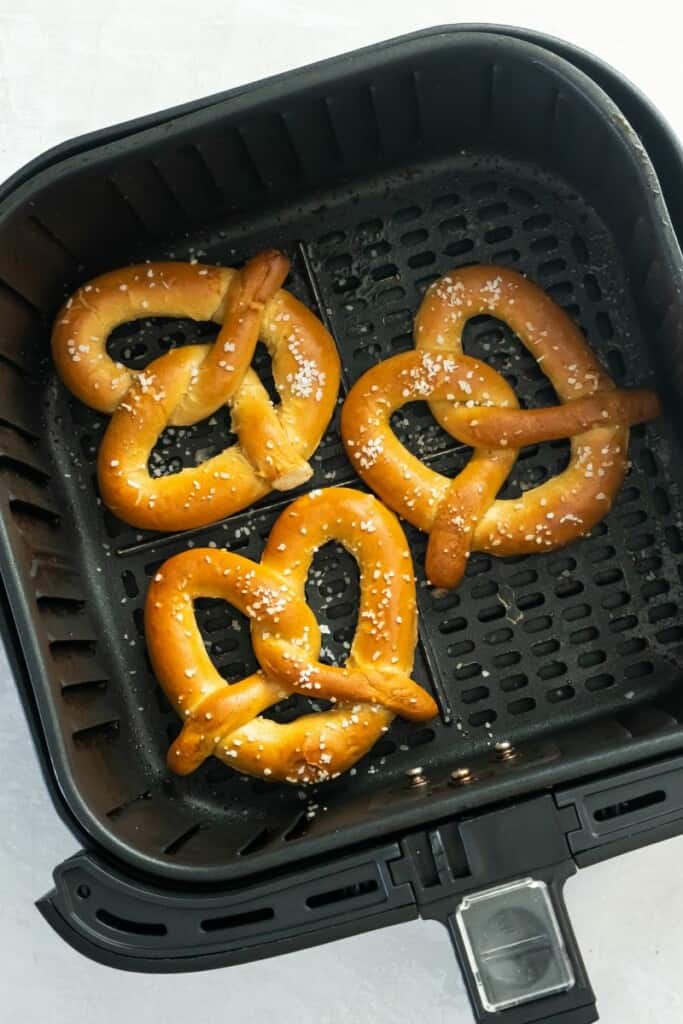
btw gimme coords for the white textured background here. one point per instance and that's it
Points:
(67, 67)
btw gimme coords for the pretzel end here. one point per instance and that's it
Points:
(186, 754)
(293, 477)
(401, 694)
(261, 277)
(425, 709)
(412, 702)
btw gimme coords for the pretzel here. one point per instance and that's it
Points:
(190, 383)
(366, 693)
(476, 406)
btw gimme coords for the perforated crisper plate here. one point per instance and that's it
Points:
(524, 647)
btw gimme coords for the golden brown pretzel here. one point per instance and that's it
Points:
(474, 404)
(368, 691)
(187, 384)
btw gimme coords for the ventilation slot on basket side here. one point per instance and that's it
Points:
(298, 829)
(26, 513)
(182, 840)
(102, 733)
(347, 892)
(221, 924)
(257, 842)
(28, 471)
(84, 688)
(13, 365)
(67, 650)
(125, 924)
(636, 803)
(51, 238)
(19, 297)
(60, 606)
(116, 812)
(19, 430)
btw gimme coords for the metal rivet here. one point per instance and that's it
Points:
(505, 751)
(461, 776)
(416, 777)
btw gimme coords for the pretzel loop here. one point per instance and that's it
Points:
(475, 405)
(366, 692)
(188, 384)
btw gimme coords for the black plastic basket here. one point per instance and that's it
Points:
(376, 172)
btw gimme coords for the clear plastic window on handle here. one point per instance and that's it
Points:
(514, 945)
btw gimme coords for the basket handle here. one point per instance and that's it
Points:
(494, 880)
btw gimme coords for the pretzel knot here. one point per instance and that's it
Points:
(366, 693)
(476, 406)
(190, 383)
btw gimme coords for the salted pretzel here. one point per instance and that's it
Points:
(366, 693)
(475, 405)
(190, 383)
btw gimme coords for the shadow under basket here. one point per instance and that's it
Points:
(376, 175)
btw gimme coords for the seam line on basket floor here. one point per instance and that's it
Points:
(165, 539)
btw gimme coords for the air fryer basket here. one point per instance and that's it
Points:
(376, 175)
(431, 154)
